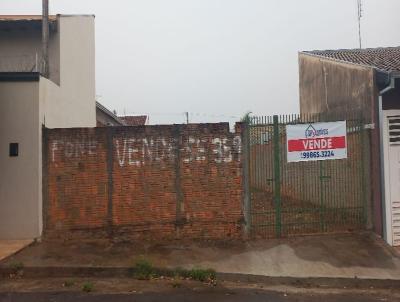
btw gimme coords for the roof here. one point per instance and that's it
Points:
(109, 114)
(27, 18)
(8, 22)
(134, 120)
(385, 59)
(8, 18)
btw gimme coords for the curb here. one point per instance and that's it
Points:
(124, 272)
(313, 282)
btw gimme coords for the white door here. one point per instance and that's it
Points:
(391, 143)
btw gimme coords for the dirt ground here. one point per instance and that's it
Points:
(332, 256)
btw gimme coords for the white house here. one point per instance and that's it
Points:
(29, 101)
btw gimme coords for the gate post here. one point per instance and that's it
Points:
(246, 177)
(277, 178)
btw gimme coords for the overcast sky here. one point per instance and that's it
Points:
(216, 59)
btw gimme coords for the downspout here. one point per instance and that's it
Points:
(390, 86)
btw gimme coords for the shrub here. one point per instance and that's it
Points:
(144, 270)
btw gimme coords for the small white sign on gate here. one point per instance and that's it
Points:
(316, 141)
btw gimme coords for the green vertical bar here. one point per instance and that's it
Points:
(322, 196)
(277, 178)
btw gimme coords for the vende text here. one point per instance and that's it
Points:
(325, 143)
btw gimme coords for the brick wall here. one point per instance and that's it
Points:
(175, 181)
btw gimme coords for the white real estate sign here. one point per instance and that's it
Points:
(316, 141)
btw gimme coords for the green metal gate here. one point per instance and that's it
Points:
(288, 199)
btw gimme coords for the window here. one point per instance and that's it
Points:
(13, 149)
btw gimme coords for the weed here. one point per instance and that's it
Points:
(144, 270)
(202, 275)
(17, 266)
(180, 272)
(68, 283)
(176, 283)
(87, 287)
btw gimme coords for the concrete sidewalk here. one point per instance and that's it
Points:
(10, 247)
(331, 256)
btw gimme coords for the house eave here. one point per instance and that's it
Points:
(339, 61)
(19, 76)
(109, 114)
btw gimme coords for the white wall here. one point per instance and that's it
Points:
(20, 177)
(73, 103)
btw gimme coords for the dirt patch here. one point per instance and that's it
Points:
(345, 251)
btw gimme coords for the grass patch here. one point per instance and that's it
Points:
(144, 270)
(87, 287)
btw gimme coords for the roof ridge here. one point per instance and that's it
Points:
(352, 49)
(386, 59)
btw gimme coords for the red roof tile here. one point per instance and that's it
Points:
(134, 120)
(386, 59)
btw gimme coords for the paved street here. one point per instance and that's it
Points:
(188, 295)
(178, 290)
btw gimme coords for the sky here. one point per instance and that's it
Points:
(216, 59)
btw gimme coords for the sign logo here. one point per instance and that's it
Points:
(312, 132)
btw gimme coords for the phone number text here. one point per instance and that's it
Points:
(317, 154)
